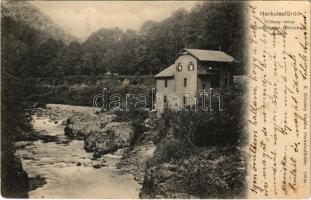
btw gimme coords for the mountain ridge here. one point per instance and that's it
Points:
(26, 13)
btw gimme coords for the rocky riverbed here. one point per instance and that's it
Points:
(76, 153)
(85, 164)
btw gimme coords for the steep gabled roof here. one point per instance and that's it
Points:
(200, 54)
(167, 72)
(210, 55)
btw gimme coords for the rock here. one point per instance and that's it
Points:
(36, 182)
(74, 133)
(48, 138)
(101, 143)
(55, 122)
(97, 166)
(134, 160)
(26, 136)
(78, 164)
(113, 136)
(99, 133)
(81, 125)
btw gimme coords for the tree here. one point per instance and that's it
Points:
(209, 25)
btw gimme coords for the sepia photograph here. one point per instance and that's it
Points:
(142, 99)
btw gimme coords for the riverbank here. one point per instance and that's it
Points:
(59, 167)
(15, 181)
(200, 154)
(113, 155)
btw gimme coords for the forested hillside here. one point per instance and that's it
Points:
(26, 13)
(209, 25)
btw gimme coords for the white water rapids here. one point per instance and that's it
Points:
(69, 170)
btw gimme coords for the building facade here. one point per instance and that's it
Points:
(193, 71)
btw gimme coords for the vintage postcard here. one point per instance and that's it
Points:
(155, 99)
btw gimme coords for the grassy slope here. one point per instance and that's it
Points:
(199, 154)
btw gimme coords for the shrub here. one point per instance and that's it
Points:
(201, 151)
(215, 173)
(167, 150)
(204, 172)
(204, 128)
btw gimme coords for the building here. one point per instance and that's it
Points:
(194, 70)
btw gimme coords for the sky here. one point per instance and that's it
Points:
(81, 18)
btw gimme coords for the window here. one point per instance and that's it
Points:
(165, 82)
(185, 82)
(165, 100)
(179, 67)
(191, 66)
(184, 100)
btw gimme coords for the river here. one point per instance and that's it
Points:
(60, 168)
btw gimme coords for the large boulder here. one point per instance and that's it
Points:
(113, 136)
(100, 134)
(81, 125)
